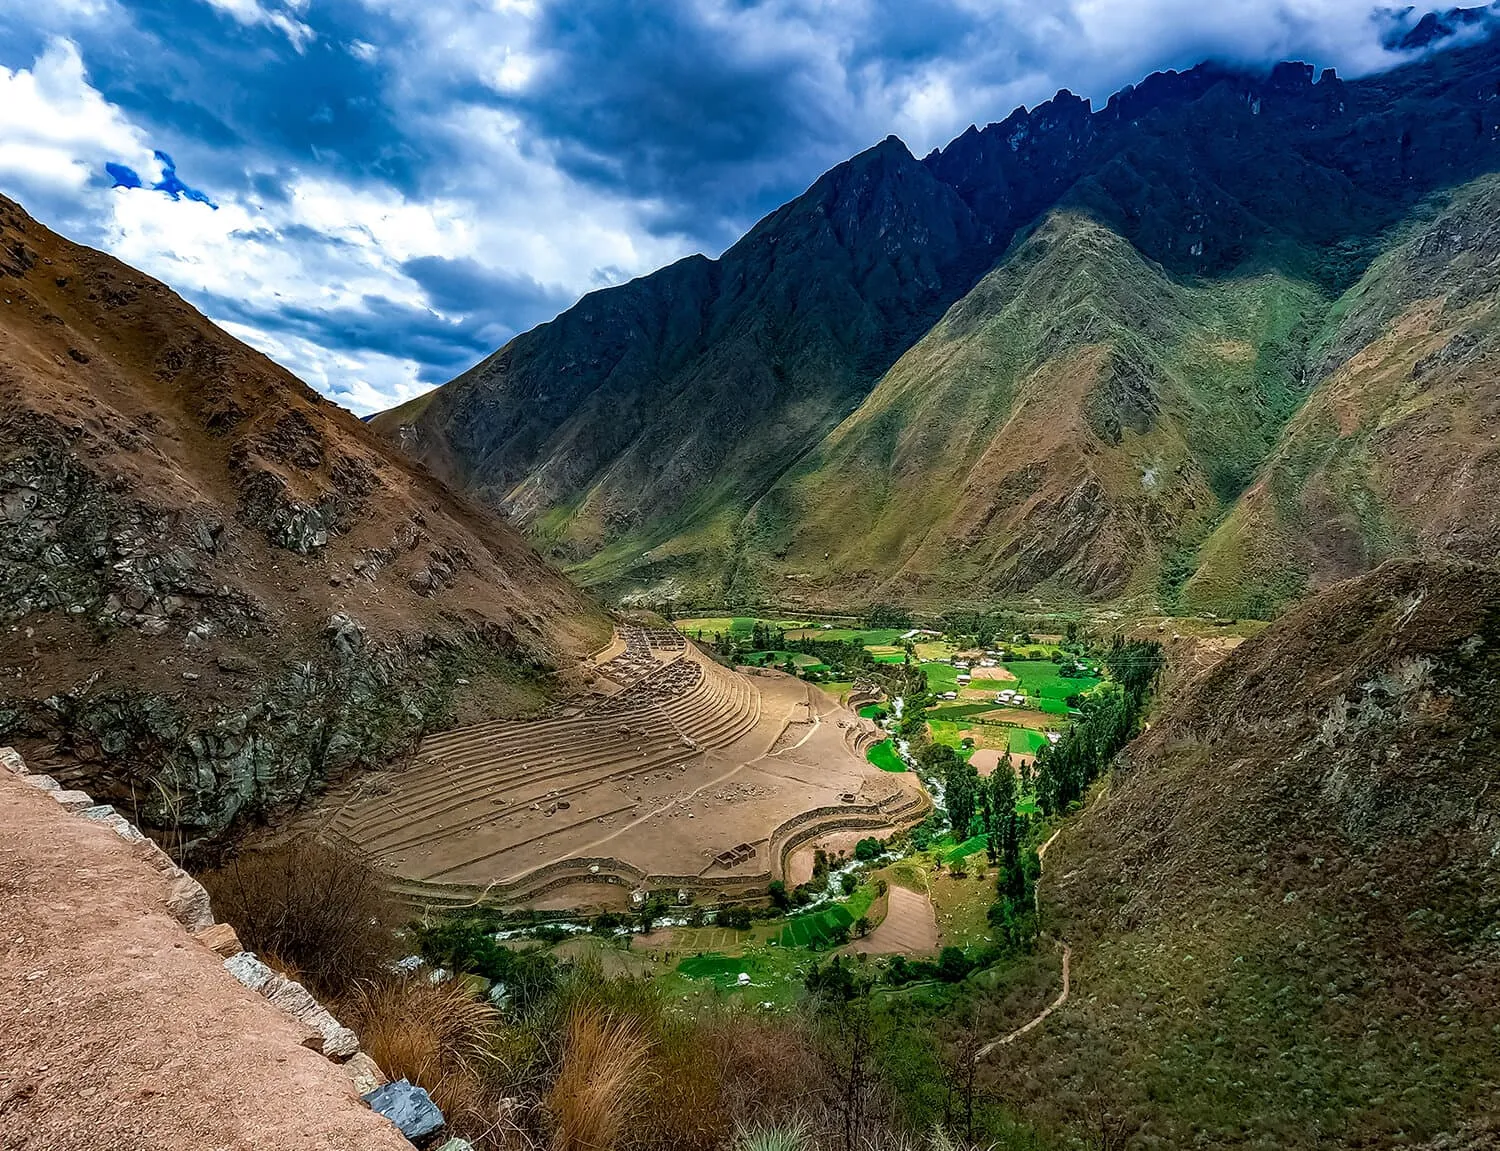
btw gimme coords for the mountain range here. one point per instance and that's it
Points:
(1210, 347)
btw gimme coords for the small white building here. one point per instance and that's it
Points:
(963, 679)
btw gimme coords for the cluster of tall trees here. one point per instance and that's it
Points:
(1111, 717)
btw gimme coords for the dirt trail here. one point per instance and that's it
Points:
(121, 1032)
(1067, 969)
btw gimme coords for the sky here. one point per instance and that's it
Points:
(379, 193)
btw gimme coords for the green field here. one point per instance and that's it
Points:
(817, 928)
(1039, 678)
(871, 710)
(884, 756)
(1025, 741)
(971, 846)
(941, 676)
(777, 658)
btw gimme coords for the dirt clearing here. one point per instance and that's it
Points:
(909, 927)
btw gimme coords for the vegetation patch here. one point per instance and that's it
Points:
(884, 756)
(826, 928)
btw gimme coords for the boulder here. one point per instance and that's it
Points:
(43, 782)
(187, 902)
(11, 761)
(72, 800)
(220, 939)
(364, 1073)
(409, 1107)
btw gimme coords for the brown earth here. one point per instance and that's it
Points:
(909, 927)
(186, 523)
(120, 1032)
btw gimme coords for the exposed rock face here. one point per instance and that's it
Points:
(217, 589)
(633, 433)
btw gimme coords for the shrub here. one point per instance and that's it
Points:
(312, 908)
(792, 1136)
(867, 849)
(848, 883)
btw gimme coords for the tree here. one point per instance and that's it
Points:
(862, 926)
(779, 898)
(848, 1039)
(848, 883)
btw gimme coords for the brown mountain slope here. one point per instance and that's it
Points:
(1283, 907)
(217, 588)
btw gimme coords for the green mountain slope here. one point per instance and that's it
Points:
(784, 422)
(1067, 429)
(1282, 908)
(1397, 449)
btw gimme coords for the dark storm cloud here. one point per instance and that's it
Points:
(684, 122)
(467, 287)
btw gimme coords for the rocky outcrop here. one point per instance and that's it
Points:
(217, 590)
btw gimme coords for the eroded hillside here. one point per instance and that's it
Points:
(218, 589)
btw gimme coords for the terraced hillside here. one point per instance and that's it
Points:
(678, 773)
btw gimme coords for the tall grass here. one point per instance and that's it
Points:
(606, 1061)
(436, 1035)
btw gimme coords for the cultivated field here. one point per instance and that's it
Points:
(677, 773)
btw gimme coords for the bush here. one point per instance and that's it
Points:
(313, 910)
(868, 849)
(848, 883)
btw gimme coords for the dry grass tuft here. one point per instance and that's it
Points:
(604, 1070)
(436, 1035)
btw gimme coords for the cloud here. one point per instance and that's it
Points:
(403, 187)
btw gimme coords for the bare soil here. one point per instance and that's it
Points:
(120, 1032)
(909, 927)
(687, 760)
